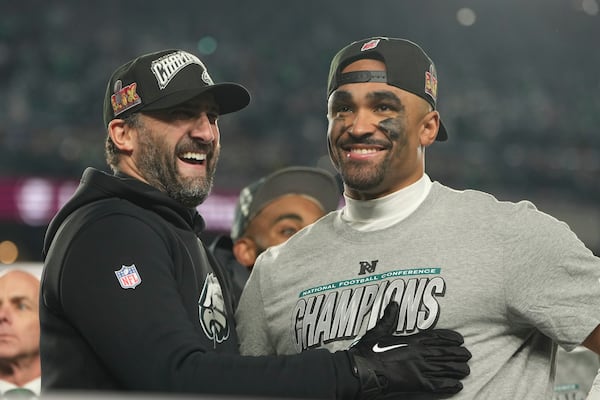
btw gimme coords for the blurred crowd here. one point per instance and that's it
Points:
(518, 83)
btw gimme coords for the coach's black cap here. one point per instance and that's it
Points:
(407, 67)
(316, 183)
(164, 79)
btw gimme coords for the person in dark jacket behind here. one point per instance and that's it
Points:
(132, 301)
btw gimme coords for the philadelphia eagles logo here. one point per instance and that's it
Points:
(211, 311)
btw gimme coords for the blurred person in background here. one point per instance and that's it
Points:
(268, 212)
(132, 300)
(514, 281)
(19, 334)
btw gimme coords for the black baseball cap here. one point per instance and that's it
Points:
(315, 183)
(408, 67)
(165, 79)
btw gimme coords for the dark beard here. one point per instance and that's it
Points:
(158, 165)
(363, 178)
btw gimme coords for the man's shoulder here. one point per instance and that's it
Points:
(503, 216)
(474, 199)
(116, 215)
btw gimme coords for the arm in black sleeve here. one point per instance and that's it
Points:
(145, 337)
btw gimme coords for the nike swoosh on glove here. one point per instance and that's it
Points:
(427, 362)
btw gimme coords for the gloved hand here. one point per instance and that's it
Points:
(431, 361)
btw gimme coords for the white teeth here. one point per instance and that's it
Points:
(363, 151)
(194, 156)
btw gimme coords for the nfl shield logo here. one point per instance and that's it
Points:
(128, 277)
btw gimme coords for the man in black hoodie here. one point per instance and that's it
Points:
(131, 300)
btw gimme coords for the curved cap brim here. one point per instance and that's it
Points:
(230, 97)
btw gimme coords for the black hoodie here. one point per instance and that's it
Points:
(130, 300)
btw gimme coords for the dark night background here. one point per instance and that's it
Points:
(518, 89)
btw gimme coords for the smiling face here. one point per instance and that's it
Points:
(377, 134)
(175, 150)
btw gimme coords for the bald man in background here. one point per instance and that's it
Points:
(20, 371)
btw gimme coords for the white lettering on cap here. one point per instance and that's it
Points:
(166, 67)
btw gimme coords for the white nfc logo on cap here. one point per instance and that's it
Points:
(166, 67)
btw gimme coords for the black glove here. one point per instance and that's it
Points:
(431, 361)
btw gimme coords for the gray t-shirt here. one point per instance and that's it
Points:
(512, 280)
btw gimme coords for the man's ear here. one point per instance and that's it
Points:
(121, 134)
(244, 250)
(430, 128)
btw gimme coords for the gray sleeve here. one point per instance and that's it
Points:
(553, 280)
(251, 319)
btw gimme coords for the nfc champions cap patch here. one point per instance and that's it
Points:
(166, 67)
(128, 276)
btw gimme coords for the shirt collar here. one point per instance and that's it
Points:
(33, 385)
(380, 213)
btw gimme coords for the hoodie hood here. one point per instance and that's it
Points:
(96, 185)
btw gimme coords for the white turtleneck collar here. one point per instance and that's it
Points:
(34, 385)
(376, 214)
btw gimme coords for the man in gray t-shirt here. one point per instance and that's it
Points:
(514, 281)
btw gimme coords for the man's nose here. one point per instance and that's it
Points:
(5, 314)
(364, 123)
(203, 129)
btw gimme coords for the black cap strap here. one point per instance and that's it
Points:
(362, 76)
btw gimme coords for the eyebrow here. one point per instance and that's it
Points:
(385, 95)
(288, 216)
(18, 299)
(340, 95)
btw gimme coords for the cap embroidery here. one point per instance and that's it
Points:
(431, 82)
(371, 44)
(206, 78)
(246, 198)
(124, 97)
(166, 67)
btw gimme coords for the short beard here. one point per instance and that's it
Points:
(158, 165)
(363, 179)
